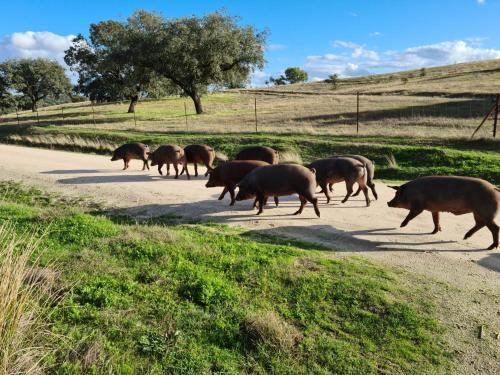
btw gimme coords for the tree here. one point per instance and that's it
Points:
(292, 75)
(109, 63)
(333, 79)
(423, 72)
(195, 53)
(35, 79)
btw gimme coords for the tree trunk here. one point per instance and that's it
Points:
(33, 106)
(197, 102)
(133, 101)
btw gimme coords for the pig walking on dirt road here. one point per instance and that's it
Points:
(199, 154)
(455, 194)
(333, 170)
(279, 180)
(230, 173)
(263, 153)
(168, 154)
(370, 168)
(130, 151)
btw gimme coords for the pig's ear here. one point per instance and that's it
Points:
(394, 187)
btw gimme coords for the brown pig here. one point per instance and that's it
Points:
(455, 194)
(168, 154)
(333, 170)
(230, 173)
(370, 169)
(278, 180)
(131, 151)
(199, 154)
(263, 153)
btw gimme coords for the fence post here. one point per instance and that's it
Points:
(17, 115)
(186, 116)
(255, 112)
(495, 120)
(37, 118)
(357, 113)
(93, 112)
(135, 121)
(62, 112)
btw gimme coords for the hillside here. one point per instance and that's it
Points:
(466, 79)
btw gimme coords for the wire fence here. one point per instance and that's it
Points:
(278, 113)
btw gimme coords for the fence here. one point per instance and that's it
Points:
(280, 113)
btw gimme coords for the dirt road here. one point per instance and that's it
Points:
(472, 274)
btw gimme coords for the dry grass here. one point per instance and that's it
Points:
(64, 141)
(23, 299)
(391, 161)
(269, 329)
(290, 157)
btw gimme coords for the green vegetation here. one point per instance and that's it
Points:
(479, 158)
(167, 297)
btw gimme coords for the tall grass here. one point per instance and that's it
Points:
(23, 298)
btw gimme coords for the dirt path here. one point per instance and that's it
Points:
(472, 272)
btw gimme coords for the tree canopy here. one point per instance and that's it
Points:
(292, 75)
(191, 53)
(33, 79)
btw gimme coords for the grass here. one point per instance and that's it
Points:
(421, 156)
(167, 297)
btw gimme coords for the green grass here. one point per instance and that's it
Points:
(165, 297)
(424, 156)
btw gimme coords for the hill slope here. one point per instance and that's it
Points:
(466, 79)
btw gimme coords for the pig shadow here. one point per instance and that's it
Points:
(74, 171)
(492, 262)
(117, 178)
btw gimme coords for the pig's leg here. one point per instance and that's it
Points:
(187, 170)
(209, 168)
(311, 198)
(494, 229)
(146, 164)
(231, 192)
(324, 187)
(372, 187)
(125, 164)
(367, 197)
(195, 170)
(176, 169)
(357, 191)
(348, 185)
(261, 198)
(330, 186)
(414, 212)
(303, 202)
(276, 201)
(435, 219)
(168, 168)
(160, 165)
(183, 169)
(224, 191)
(479, 224)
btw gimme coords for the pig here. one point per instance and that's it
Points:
(332, 170)
(131, 151)
(230, 173)
(168, 154)
(455, 194)
(278, 180)
(263, 153)
(370, 168)
(199, 154)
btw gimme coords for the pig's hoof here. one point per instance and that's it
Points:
(493, 246)
(231, 204)
(403, 224)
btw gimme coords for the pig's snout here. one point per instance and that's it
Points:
(209, 184)
(391, 203)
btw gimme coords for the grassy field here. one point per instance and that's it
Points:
(448, 102)
(169, 297)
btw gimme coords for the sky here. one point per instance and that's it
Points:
(348, 38)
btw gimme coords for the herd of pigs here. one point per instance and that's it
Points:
(257, 175)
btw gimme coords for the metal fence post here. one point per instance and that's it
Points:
(255, 112)
(357, 112)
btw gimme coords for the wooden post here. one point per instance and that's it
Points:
(255, 112)
(37, 118)
(186, 116)
(485, 118)
(93, 112)
(357, 112)
(495, 120)
(17, 115)
(135, 121)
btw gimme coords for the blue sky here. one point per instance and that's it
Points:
(324, 37)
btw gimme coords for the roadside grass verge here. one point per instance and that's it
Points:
(164, 297)
(415, 157)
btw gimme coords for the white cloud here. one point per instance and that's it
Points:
(375, 33)
(259, 78)
(481, 2)
(352, 14)
(35, 44)
(276, 47)
(362, 61)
